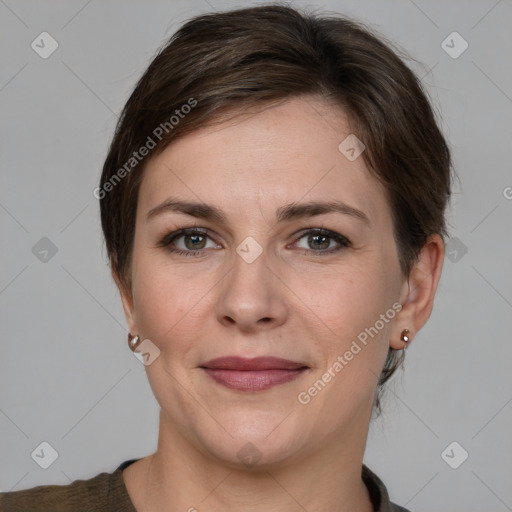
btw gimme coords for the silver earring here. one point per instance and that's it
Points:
(133, 342)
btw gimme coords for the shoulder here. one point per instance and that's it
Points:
(95, 494)
(79, 495)
(397, 508)
(378, 493)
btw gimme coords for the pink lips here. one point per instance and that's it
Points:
(255, 374)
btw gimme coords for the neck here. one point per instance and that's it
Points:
(327, 478)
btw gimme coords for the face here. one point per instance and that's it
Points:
(288, 253)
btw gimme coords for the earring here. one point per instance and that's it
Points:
(133, 341)
(404, 336)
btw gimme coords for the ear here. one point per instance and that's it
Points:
(127, 300)
(418, 291)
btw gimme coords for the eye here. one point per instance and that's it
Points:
(194, 242)
(322, 241)
(189, 242)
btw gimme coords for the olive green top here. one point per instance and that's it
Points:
(106, 492)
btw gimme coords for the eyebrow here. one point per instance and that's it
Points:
(289, 212)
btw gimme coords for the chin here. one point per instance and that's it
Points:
(254, 440)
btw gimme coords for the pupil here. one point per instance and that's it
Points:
(194, 239)
(324, 241)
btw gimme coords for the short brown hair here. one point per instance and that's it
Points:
(218, 64)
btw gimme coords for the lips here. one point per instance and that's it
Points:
(256, 374)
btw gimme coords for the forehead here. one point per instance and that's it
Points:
(282, 154)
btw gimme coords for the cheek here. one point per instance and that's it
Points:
(346, 299)
(165, 302)
(355, 308)
(354, 304)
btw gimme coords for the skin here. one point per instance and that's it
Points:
(293, 302)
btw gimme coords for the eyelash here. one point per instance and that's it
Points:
(168, 239)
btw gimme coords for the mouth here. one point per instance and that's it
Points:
(256, 374)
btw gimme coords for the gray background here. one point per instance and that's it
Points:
(67, 375)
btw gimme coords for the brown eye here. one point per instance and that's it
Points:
(322, 241)
(194, 241)
(318, 241)
(189, 242)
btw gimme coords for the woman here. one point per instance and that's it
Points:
(273, 208)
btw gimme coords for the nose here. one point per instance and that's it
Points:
(252, 297)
